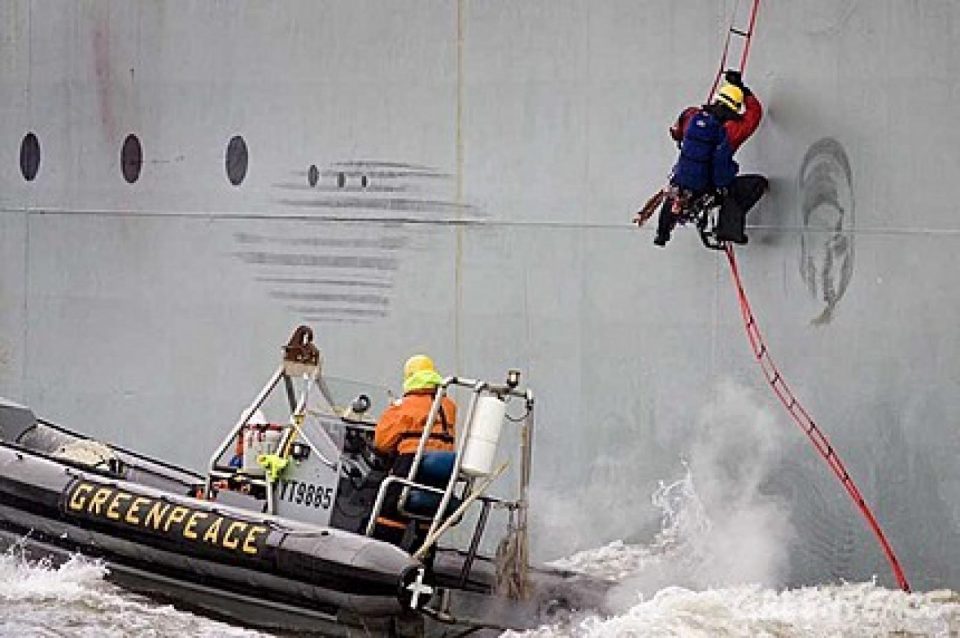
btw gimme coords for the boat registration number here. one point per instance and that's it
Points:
(306, 494)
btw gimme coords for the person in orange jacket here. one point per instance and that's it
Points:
(398, 433)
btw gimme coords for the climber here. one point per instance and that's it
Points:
(707, 137)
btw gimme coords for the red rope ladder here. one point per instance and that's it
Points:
(762, 354)
(803, 420)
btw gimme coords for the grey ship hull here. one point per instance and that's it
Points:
(459, 178)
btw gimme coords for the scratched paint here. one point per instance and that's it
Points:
(341, 274)
(827, 218)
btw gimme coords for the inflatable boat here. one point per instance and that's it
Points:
(276, 532)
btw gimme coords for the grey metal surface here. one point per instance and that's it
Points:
(14, 419)
(476, 167)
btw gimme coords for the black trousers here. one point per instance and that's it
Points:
(401, 467)
(744, 192)
(392, 526)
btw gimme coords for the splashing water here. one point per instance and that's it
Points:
(682, 516)
(849, 610)
(714, 567)
(852, 610)
(73, 599)
(717, 528)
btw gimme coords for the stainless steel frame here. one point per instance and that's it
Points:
(517, 506)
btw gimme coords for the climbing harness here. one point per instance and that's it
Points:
(802, 418)
(699, 210)
(702, 210)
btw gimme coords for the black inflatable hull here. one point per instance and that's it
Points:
(196, 544)
(234, 562)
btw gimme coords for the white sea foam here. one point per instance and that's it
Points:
(717, 528)
(74, 599)
(844, 610)
(850, 610)
(716, 566)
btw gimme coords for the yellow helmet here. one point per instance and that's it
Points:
(731, 96)
(419, 373)
(417, 363)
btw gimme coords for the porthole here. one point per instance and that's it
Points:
(236, 160)
(29, 156)
(341, 180)
(131, 158)
(363, 181)
(313, 175)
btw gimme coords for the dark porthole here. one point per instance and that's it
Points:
(236, 160)
(313, 175)
(131, 158)
(341, 180)
(364, 181)
(29, 156)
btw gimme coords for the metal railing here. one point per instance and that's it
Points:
(439, 522)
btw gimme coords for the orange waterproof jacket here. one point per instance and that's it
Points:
(401, 425)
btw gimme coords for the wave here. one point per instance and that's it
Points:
(41, 598)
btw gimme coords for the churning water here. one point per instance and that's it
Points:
(711, 570)
(853, 610)
(651, 606)
(74, 599)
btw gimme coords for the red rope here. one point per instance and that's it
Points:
(746, 46)
(803, 420)
(747, 35)
(769, 368)
(723, 60)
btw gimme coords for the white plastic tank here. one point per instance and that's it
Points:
(259, 437)
(480, 448)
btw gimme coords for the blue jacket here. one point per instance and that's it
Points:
(706, 155)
